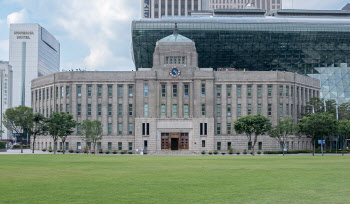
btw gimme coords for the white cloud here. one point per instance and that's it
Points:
(17, 17)
(4, 50)
(314, 4)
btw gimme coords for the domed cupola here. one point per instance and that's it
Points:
(175, 50)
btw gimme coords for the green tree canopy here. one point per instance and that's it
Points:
(344, 131)
(91, 131)
(39, 127)
(252, 126)
(283, 131)
(19, 120)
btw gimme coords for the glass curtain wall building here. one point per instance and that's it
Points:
(298, 45)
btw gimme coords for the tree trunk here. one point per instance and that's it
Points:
(21, 144)
(63, 148)
(314, 146)
(283, 147)
(54, 146)
(330, 143)
(322, 146)
(95, 149)
(33, 143)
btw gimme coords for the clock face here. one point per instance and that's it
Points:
(174, 71)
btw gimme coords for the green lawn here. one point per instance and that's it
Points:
(173, 179)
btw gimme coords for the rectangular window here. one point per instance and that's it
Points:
(130, 128)
(259, 91)
(292, 91)
(249, 109)
(239, 112)
(109, 146)
(291, 110)
(287, 109)
(269, 90)
(186, 90)
(146, 109)
(269, 109)
(130, 146)
(79, 91)
(67, 108)
(203, 109)
(203, 143)
(260, 146)
(287, 91)
(281, 110)
(67, 91)
(218, 128)
(229, 145)
(120, 91)
(218, 110)
(249, 91)
(99, 109)
(51, 91)
(109, 109)
(78, 129)
(229, 110)
(99, 91)
(228, 89)
(145, 128)
(56, 91)
(249, 145)
(203, 89)
(218, 91)
(43, 94)
(89, 91)
(89, 109)
(78, 146)
(174, 110)
(174, 90)
(61, 91)
(130, 91)
(67, 145)
(79, 109)
(163, 110)
(163, 90)
(239, 91)
(120, 128)
(186, 110)
(281, 91)
(130, 109)
(61, 108)
(120, 109)
(145, 90)
(99, 146)
(109, 128)
(297, 93)
(120, 146)
(110, 93)
(218, 146)
(228, 128)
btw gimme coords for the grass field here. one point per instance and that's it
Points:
(173, 179)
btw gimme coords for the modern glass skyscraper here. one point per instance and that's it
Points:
(159, 8)
(267, 5)
(34, 52)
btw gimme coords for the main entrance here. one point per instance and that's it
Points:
(174, 141)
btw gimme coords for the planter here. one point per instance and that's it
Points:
(223, 153)
(129, 152)
(115, 152)
(238, 153)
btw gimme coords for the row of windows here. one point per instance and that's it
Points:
(175, 60)
(249, 109)
(79, 147)
(109, 128)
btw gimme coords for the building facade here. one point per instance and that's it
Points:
(6, 90)
(175, 105)
(299, 44)
(267, 5)
(161, 8)
(34, 52)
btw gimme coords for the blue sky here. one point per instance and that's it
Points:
(95, 34)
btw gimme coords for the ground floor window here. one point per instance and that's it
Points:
(99, 147)
(228, 145)
(109, 146)
(130, 146)
(67, 145)
(218, 146)
(120, 146)
(78, 145)
(249, 145)
(260, 146)
(203, 143)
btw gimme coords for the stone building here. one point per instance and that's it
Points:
(175, 105)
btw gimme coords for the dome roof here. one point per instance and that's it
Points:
(175, 38)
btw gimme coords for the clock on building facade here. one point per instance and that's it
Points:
(174, 71)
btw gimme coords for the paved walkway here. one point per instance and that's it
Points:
(28, 151)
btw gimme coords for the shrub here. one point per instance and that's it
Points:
(122, 152)
(70, 150)
(114, 151)
(50, 149)
(215, 151)
(238, 152)
(203, 152)
(210, 152)
(244, 151)
(77, 151)
(230, 151)
(100, 151)
(44, 149)
(16, 146)
(107, 152)
(85, 149)
(130, 152)
(58, 150)
(259, 152)
(289, 152)
(223, 153)
(2, 145)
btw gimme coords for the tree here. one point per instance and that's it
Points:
(314, 105)
(283, 130)
(60, 125)
(344, 131)
(91, 131)
(317, 126)
(39, 127)
(19, 120)
(252, 126)
(344, 111)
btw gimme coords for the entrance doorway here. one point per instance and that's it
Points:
(174, 143)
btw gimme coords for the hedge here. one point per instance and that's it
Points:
(3, 145)
(289, 152)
